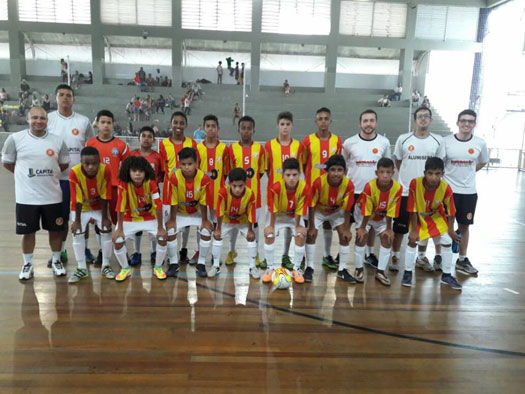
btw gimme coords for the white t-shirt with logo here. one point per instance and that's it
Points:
(75, 130)
(413, 152)
(461, 160)
(361, 158)
(37, 170)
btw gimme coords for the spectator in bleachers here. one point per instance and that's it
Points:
(129, 129)
(219, 74)
(137, 79)
(426, 102)
(397, 92)
(24, 103)
(187, 105)
(142, 75)
(171, 102)
(136, 109)
(75, 80)
(241, 75)
(229, 62)
(287, 88)
(384, 101)
(199, 134)
(24, 87)
(63, 70)
(155, 127)
(416, 97)
(46, 102)
(89, 79)
(236, 72)
(35, 102)
(161, 103)
(236, 112)
(3, 96)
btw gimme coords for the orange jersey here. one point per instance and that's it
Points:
(112, 153)
(431, 206)
(327, 199)
(317, 152)
(252, 158)
(155, 160)
(378, 204)
(276, 154)
(89, 191)
(139, 204)
(215, 163)
(236, 209)
(283, 202)
(188, 195)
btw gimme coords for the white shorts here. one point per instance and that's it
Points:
(378, 226)
(282, 222)
(335, 219)
(87, 216)
(183, 221)
(227, 228)
(131, 228)
(443, 239)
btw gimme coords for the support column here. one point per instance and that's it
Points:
(255, 56)
(97, 45)
(407, 55)
(177, 72)
(331, 49)
(17, 57)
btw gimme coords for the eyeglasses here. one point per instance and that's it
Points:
(426, 116)
(469, 121)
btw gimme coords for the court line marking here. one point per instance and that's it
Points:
(511, 291)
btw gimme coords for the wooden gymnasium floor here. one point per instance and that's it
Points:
(231, 335)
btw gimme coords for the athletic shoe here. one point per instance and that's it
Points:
(394, 264)
(153, 258)
(455, 245)
(345, 275)
(267, 276)
(136, 259)
(63, 257)
(465, 267)
(27, 272)
(287, 262)
(183, 256)
(58, 268)
(407, 279)
(371, 260)
(254, 273)
(308, 274)
(195, 258)
(424, 264)
(173, 271)
(449, 280)
(438, 260)
(123, 274)
(302, 267)
(230, 259)
(90, 259)
(50, 262)
(201, 271)
(359, 275)
(78, 275)
(214, 271)
(159, 272)
(257, 260)
(381, 277)
(108, 272)
(263, 264)
(98, 261)
(298, 276)
(330, 263)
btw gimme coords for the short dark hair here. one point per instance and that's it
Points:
(385, 162)
(210, 117)
(237, 174)
(367, 111)
(105, 112)
(335, 160)
(246, 118)
(187, 153)
(468, 112)
(323, 109)
(434, 163)
(89, 151)
(291, 164)
(422, 109)
(135, 163)
(147, 128)
(285, 115)
(64, 86)
(179, 113)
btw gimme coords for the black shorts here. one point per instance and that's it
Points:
(352, 219)
(28, 218)
(465, 207)
(66, 200)
(401, 222)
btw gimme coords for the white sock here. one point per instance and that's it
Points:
(28, 258)
(233, 239)
(215, 251)
(199, 240)
(461, 258)
(204, 247)
(384, 256)
(185, 236)
(121, 256)
(446, 253)
(63, 246)
(410, 258)
(298, 256)
(79, 248)
(396, 254)
(252, 252)
(369, 250)
(56, 256)
(344, 256)
(161, 253)
(136, 243)
(173, 252)
(153, 245)
(421, 255)
(287, 240)
(269, 255)
(107, 248)
(359, 256)
(327, 236)
(310, 254)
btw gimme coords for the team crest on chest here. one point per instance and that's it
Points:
(114, 152)
(75, 132)
(375, 151)
(411, 148)
(471, 151)
(50, 152)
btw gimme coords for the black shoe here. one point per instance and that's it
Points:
(50, 262)
(308, 274)
(173, 271)
(371, 260)
(98, 261)
(330, 263)
(153, 258)
(345, 275)
(303, 264)
(201, 271)
(407, 279)
(90, 259)
(183, 256)
(136, 259)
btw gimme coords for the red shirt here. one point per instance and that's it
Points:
(112, 153)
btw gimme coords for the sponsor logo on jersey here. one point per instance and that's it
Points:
(75, 132)
(50, 152)
(39, 172)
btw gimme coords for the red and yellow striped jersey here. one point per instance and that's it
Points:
(317, 152)
(378, 204)
(89, 191)
(155, 160)
(432, 207)
(276, 154)
(253, 159)
(215, 163)
(139, 204)
(327, 199)
(188, 195)
(286, 203)
(236, 209)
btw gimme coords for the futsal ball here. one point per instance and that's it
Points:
(281, 278)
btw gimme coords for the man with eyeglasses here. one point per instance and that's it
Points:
(465, 155)
(410, 153)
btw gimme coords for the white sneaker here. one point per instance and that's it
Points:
(214, 271)
(27, 272)
(254, 273)
(58, 268)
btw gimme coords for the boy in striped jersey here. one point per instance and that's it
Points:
(90, 190)
(377, 205)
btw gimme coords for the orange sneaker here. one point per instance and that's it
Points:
(267, 276)
(298, 276)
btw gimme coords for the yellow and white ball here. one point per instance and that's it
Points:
(281, 278)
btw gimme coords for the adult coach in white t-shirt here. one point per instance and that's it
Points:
(411, 152)
(362, 152)
(75, 130)
(465, 154)
(37, 158)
